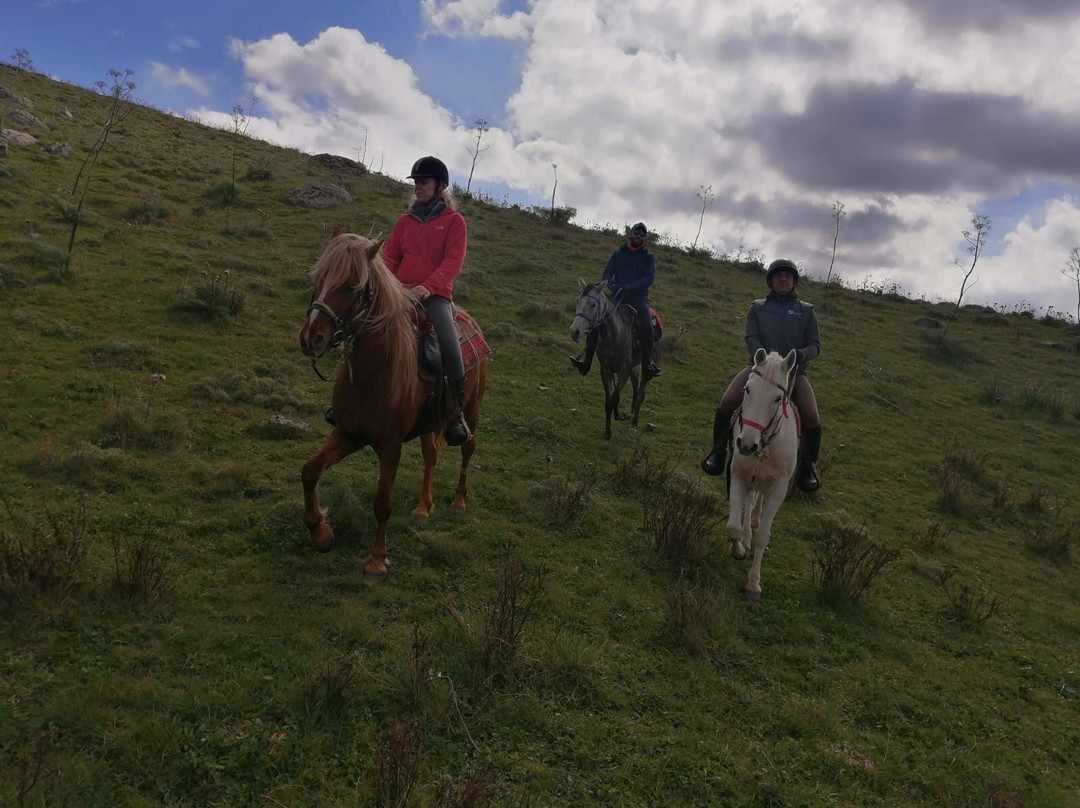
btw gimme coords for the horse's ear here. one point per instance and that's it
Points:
(601, 286)
(373, 250)
(335, 232)
(759, 356)
(790, 360)
(581, 284)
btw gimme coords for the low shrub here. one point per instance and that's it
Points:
(846, 559)
(40, 552)
(965, 602)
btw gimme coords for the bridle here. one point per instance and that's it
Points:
(344, 324)
(770, 430)
(605, 312)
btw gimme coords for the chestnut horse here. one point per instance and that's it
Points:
(379, 397)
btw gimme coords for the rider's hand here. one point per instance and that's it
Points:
(422, 293)
(800, 357)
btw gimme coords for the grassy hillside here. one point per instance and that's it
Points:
(168, 637)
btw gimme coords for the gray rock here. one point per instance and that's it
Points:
(21, 117)
(14, 98)
(336, 165)
(318, 195)
(17, 138)
(64, 112)
(928, 322)
(57, 149)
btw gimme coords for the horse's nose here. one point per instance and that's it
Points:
(311, 344)
(575, 335)
(748, 448)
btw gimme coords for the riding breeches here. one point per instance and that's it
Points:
(802, 395)
(440, 313)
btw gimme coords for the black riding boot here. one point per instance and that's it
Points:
(330, 416)
(457, 431)
(807, 478)
(713, 463)
(583, 363)
(649, 368)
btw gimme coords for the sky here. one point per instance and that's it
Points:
(734, 125)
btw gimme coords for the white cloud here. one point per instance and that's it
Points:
(474, 18)
(177, 77)
(180, 42)
(641, 102)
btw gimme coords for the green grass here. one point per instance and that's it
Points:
(200, 654)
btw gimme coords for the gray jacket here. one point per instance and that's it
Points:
(781, 324)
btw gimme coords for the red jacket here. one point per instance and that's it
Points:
(428, 254)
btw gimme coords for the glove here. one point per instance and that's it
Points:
(800, 357)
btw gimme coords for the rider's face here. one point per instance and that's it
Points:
(783, 282)
(424, 189)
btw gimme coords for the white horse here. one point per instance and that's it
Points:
(767, 450)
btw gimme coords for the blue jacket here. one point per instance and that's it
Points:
(633, 272)
(781, 324)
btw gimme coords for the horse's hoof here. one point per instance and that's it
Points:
(457, 509)
(322, 538)
(752, 595)
(738, 552)
(376, 570)
(420, 518)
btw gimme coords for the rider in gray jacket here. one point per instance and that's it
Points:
(778, 322)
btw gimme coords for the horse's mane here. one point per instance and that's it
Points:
(353, 260)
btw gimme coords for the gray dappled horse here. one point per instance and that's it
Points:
(614, 325)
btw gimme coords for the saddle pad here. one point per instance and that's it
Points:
(473, 346)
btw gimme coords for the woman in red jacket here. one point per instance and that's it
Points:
(425, 252)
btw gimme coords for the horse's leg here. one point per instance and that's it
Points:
(426, 503)
(740, 499)
(769, 503)
(389, 457)
(620, 383)
(639, 396)
(336, 447)
(611, 399)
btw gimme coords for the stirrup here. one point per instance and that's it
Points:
(711, 464)
(808, 480)
(652, 370)
(457, 432)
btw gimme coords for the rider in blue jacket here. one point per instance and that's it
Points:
(778, 322)
(629, 273)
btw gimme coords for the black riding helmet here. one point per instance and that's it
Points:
(430, 168)
(779, 264)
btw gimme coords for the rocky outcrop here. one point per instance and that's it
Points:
(64, 112)
(336, 166)
(318, 195)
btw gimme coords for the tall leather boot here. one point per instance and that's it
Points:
(807, 477)
(583, 363)
(457, 431)
(714, 462)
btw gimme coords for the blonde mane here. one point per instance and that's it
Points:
(352, 260)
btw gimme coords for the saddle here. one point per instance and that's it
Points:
(657, 325)
(471, 339)
(474, 347)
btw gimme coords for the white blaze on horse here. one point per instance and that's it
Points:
(764, 460)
